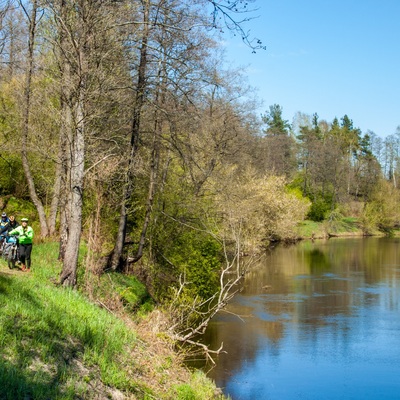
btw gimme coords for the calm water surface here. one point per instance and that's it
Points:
(317, 321)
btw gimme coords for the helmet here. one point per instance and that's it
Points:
(24, 219)
(3, 215)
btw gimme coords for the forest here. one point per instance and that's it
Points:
(122, 126)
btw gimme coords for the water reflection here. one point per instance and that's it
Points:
(317, 321)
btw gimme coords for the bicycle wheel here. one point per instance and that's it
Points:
(11, 259)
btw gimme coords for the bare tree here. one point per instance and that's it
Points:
(12, 30)
(158, 19)
(4, 6)
(136, 119)
(33, 20)
(77, 27)
(189, 320)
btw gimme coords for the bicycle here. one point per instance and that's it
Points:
(3, 239)
(11, 251)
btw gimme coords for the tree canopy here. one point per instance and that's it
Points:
(120, 123)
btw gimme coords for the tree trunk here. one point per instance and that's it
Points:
(62, 175)
(155, 155)
(65, 183)
(26, 128)
(75, 126)
(65, 166)
(68, 274)
(129, 176)
(55, 201)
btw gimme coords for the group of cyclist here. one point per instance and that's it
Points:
(10, 227)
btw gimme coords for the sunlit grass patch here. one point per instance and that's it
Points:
(60, 343)
(338, 225)
(46, 331)
(309, 229)
(199, 388)
(350, 224)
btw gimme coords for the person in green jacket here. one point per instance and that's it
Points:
(25, 238)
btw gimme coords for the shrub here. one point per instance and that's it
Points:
(318, 210)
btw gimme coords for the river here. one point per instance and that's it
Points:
(316, 320)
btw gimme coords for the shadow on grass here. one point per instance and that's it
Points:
(37, 356)
(17, 385)
(5, 280)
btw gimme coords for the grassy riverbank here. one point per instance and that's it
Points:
(105, 341)
(57, 343)
(344, 226)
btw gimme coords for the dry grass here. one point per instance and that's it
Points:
(161, 367)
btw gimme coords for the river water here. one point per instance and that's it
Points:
(316, 321)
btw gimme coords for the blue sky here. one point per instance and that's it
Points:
(329, 57)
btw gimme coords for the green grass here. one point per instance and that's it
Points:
(348, 224)
(56, 344)
(308, 229)
(47, 332)
(130, 291)
(199, 388)
(339, 226)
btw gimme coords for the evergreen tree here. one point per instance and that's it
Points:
(275, 122)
